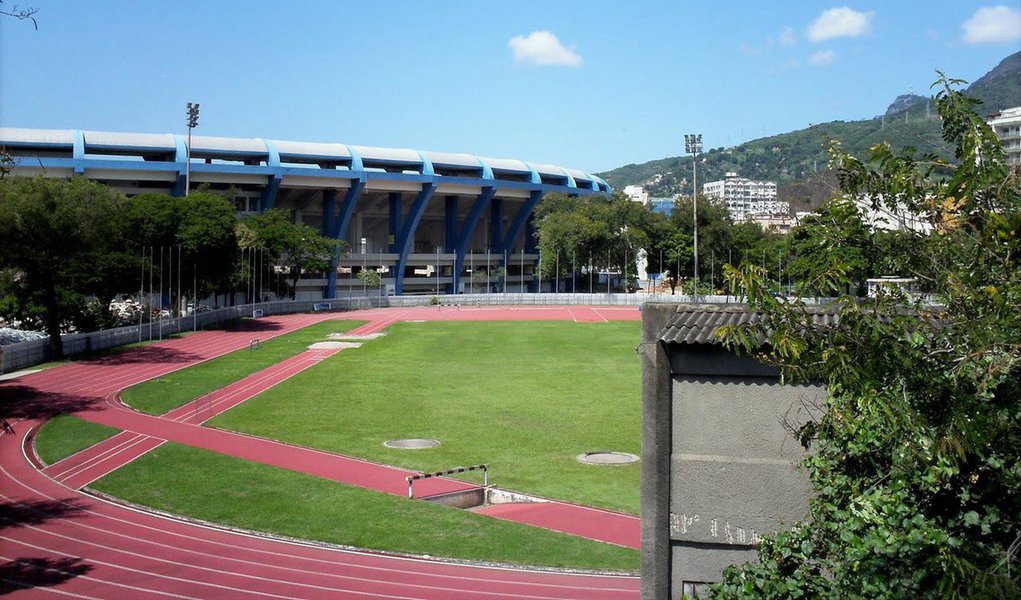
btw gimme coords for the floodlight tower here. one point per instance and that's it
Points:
(693, 145)
(193, 122)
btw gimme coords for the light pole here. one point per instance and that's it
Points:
(193, 122)
(693, 145)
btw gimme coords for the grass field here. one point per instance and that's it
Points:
(221, 489)
(526, 398)
(65, 435)
(169, 391)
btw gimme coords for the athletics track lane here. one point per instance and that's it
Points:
(48, 509)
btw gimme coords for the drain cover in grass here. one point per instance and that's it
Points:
(412, 443)
(605, 457)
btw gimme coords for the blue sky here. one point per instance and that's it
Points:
(589, 85)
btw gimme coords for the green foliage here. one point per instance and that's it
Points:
(201, 226)
(370, 277)
(603, 231)
(835, 237)
(297, 247)
(206, 231)
(58, 236)
(914, 461)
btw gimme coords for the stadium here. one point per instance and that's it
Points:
(422, 219)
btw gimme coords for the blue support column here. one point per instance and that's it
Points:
(347, 209)
(522, 216)
(181, 158)
(468, 228)
(531, 242)
(407, 237)
(329, 200)
(496, 239)
(395, 220)
(531, 245)
(78, 152)
(337, 228)
(269, 193)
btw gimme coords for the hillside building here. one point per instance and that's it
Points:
(637, 193)
(747, 198)
(1007, 125)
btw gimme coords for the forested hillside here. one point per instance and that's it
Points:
(798, 160)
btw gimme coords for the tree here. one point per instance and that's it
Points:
(677, 248)
(835, 235)
(606, 230)
(296, 247)
(206, 233)
(57, 238)
(21, 14)
(715, 234)
(914, 460)
(370, 277)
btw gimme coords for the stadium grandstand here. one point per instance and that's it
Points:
(423, 220)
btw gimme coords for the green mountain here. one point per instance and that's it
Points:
(798, 161)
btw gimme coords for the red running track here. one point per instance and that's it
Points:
(56, 541)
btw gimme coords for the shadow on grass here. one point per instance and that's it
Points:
(32, 572)
(26, 402)
(37, 512)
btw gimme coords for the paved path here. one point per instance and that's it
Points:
(48, 502)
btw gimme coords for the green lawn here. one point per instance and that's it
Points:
(65, 435)
(167, 392)
(526, 398)
(204, 485)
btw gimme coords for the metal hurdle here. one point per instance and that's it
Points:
(412, 478)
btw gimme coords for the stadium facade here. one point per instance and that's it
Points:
(426, 221)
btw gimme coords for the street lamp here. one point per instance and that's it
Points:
(193, 122)
(693, 145)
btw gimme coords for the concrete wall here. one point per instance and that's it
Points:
(718, 459)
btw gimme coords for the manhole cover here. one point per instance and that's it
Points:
(607, 458)
(412, 443)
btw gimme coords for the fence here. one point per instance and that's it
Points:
(22, 355)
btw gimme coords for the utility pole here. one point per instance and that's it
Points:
(693, 145)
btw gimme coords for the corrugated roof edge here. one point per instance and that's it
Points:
(698, 323)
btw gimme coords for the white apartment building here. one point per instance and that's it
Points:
(746, 197)
(1007, 125)
(636, 193)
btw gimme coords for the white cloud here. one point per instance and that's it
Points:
(542, 49)
(839, 22)
(822, 57)
(788, 37)
(993, 24)
(792, 63)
